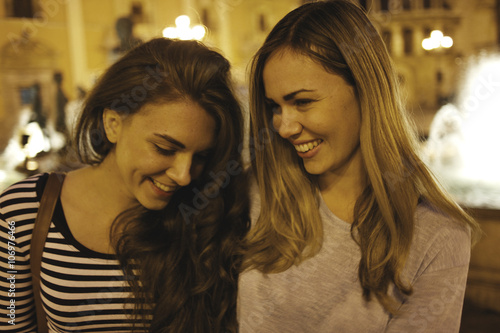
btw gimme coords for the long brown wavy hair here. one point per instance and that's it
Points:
(180, 261)
(339, 36)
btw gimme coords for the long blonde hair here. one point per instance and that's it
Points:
(339, 36)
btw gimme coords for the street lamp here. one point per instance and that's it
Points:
(183, 31)
(437, 40)
(435, 44)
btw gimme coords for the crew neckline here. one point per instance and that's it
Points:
(59, 219)
(330, 216)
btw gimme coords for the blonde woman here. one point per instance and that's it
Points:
(350, 232)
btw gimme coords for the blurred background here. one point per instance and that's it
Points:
(446, 53)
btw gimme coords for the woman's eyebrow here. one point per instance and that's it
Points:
(171, 140)
(291, 95)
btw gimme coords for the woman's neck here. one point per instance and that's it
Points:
(110, 187)
(99, 189)
(340, 191)
(92, 198)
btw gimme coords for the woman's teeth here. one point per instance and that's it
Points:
(305, 147)
(162, 187)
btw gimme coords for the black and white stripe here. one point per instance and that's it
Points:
(82, 290)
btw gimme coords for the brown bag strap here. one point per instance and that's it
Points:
(40, 232)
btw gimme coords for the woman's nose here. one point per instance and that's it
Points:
(287, 124)
(180, 170)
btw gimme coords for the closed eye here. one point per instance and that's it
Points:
(303, 102)
(163, 151)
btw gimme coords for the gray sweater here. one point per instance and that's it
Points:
(323, 294)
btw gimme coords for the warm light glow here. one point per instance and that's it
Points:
(183, 31)
(183, 21)
(170, 32)
(184, 34)
(427, 44)
(198, 32)
(31, 165)
(437, 34)
(436, 41)
(447, 42)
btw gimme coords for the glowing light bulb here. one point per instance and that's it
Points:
(427, 44)
(436, 41)
(198, 32)
(447, 42)
(182, 21)
(170, 32)
(183, 31)
(437, 34)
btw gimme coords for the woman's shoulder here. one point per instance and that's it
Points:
(430, 220)
(23, 194)
(439, 241)
(29, 184)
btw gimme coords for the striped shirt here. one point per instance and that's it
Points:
(82, 290)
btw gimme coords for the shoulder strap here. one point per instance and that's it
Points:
(40, 232)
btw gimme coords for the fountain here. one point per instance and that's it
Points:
(464, 139)
(463, 151)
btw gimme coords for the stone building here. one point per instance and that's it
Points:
(77, 37)
(434, 77)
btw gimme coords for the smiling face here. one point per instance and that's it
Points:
(317, 112)
(159, 149)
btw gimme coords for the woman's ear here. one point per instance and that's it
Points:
(112, 124)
